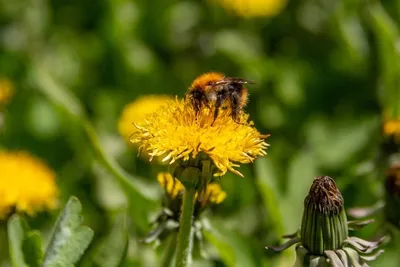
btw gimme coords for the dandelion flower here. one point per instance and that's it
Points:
(212, 195)
(392, 128)
(172, 187)
(136, 111)
(26, 184)
(6, 91)
(254, 8)
(177, 132)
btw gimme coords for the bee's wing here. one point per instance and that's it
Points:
(227, 80)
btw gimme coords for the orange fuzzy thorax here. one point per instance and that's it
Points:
(204, 81)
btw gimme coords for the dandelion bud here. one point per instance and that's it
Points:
(323, 238)
(324, 224)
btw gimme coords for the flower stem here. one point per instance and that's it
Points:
(169, 251)
(185, 229)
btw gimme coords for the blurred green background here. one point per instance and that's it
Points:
(324, 73)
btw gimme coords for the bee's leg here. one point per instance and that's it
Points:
(196, 98)
(222, 95)
(235, 105)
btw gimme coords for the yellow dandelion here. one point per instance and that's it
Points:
(173, 187)
(213, 195)
(392, 128)
(177, 132)
(6, 91)
(391, 125)
(254, 8)
(136, 111)
(26, 184)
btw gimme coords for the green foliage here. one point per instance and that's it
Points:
(25, 245)
(324, 72)
(111, 250)
(69, 239)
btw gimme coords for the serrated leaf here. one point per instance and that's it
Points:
(25, 245)
(112, 249)
(69, 239)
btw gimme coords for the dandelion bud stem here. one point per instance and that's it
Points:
(183, 253)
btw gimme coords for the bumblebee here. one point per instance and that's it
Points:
(214, 89)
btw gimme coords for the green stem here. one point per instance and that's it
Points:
(109, 163)
(135, 192)
(169, 251)
(185, 237)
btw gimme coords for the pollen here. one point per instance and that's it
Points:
(136, 111)
(177, 133)
(26, 184)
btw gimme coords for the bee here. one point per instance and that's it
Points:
(215, 89)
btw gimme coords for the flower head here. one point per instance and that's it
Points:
(176, 131)
(174, 190)
(6, 91)
(254, 8)
(172, 187)
(212, 195)
(26, 184)
(136, 112)
(391, 124)
(392, 127)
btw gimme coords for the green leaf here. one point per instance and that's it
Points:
(387, 37)
(301, 172)
(112, 249)
(33, 248)
(25, 245)
(337, 143)
(232, 248)
(69, 240)
(266, 181)
(135, 190)
(56, 92)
